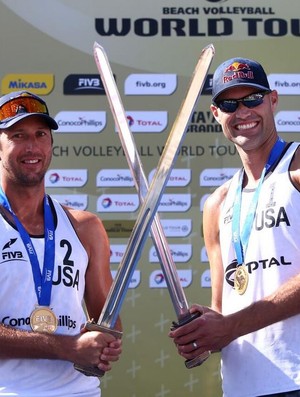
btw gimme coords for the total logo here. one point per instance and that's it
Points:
(179, 177)
(106, 202)
(118, 203)
(147, 121)
(157, 278)
(53, 178)
(130, 121)
(117, 252)
(66, 178)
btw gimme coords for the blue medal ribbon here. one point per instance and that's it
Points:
(42, 279)
(241, 238)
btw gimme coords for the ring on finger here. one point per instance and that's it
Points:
(195, 345)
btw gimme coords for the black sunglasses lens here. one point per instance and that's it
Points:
(231, 105)
(253, 102)
(228, 106)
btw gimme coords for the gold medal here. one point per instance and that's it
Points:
(241, 279)
(42, 319)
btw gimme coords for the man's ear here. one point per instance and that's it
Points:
(274, 100)
(215, 112)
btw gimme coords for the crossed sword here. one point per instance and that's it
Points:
(150, 198)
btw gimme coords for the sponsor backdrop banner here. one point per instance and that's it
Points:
(153, 47)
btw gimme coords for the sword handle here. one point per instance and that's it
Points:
(194, 362)
(91, 370)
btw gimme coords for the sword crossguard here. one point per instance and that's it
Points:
(194, 362)
(93, 326)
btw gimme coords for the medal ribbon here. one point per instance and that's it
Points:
(241, 239)
(42, 281)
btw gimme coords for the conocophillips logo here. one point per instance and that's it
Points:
(114, 178)
(40, 84)
(288, 121)
(75, 201)
(179, 252)
(80, 121)
(216, 176)
(175, 202)
(206, 279)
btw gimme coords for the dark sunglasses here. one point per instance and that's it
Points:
(250, 101)
(25, 102)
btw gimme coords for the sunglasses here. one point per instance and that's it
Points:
(25, 103)
(250, 101)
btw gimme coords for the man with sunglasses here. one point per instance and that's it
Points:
(53, 259)
(251, 230)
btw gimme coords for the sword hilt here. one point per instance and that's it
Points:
(194, 362)
(93, 370)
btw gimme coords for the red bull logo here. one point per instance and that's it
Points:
(237, 66)
(238, 70)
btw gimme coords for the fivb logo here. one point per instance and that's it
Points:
(83, 84)
(8, 254)
(179, 252)
(157, 278)
(150, 84)
(135, 279)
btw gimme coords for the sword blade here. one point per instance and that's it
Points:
(152, 195)
(168, 267)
